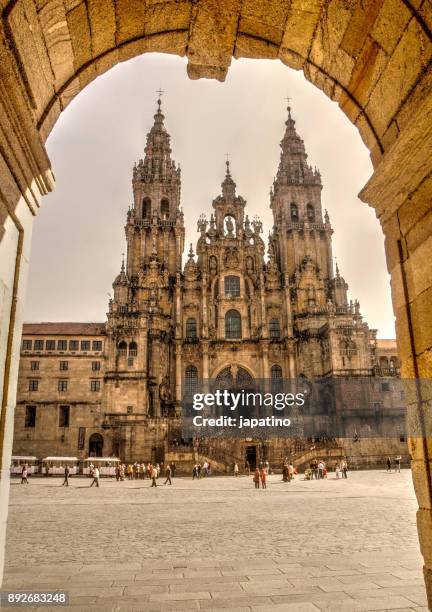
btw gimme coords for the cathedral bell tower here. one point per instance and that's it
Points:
(300, 230)
(155, 224)
(144, 312)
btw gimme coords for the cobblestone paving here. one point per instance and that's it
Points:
(218, 544)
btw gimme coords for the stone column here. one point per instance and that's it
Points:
(401, 192)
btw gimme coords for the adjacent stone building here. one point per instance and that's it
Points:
(232, 313)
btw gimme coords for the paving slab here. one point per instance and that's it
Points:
(218, 544)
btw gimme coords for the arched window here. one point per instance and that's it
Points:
(164, 209)
(146, 208)
(310, 211)
(133, 349)
(294, 212)
(274, 329)
(122, 348)
(191, 380)
(232, 286)
(191, 329)
(233, 324)
(276, 378)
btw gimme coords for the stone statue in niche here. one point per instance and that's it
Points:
(213, 264)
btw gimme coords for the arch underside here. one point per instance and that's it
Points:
(343, 48)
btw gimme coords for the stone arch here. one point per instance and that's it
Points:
(378, 74)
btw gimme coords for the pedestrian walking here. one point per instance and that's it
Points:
(95, 477)
(256, 478)
(24, 474)
(388, 464)
(236, 469)
(168, 475)
(247, 467)
(66, 476)
(263, 476)
(344, 468)
(398, 463)
(195, 472)
(154, 475)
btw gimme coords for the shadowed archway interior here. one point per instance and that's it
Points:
(372, 58)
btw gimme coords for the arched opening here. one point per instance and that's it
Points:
(294, 212)
(122, 349)
(232, 286)
(96, 444)
(164, 209)
(233, 328)
(146, 208)
(191, 380)
(310, 213)
(388, 104)
(133, 349)
(274, 329)
(276, 378)
(191, 329)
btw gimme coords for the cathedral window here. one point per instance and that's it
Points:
(310, 211)
(146, 208)
(73, 345)
(62, 386)
(64, 412)
(50, 345)
(133, 349)
(294, 212)
(232, 286)
(191, 380)
(30, 416)
(33, 385)
(274, 329)
(38, 345)
(62, 345)
(276, 378)
(27, 345)
(95, 385)
(164, 210)
(191, 329)
(85, 345)
(97, 345)
(34, 365)
(122, 348)
(96, 366)
(232, 324)
(64, 365)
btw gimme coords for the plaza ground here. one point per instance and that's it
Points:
(305, 546)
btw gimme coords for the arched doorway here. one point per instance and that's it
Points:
(96, 443)
(377, 73)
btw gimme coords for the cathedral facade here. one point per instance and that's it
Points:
(233, 312)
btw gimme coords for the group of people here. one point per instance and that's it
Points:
(397, 462)
(141, 471)
(288, 471)
(260, 476)
(199, 471)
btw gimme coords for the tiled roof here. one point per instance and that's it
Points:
(64, 329)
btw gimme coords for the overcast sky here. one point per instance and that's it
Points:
(79, 232)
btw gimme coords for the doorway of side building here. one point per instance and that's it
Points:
(96, 443)
(251, 456)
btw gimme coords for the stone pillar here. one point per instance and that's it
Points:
(401, 192)
(178, 371)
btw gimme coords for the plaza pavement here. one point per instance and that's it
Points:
(305, 546)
